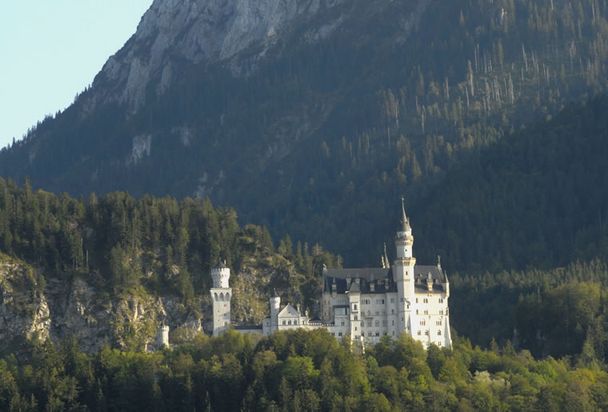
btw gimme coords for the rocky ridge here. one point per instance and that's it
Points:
(200, 31)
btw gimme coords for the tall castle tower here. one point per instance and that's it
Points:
(221, 293)
(403, 271)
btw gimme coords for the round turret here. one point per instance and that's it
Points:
(275, 304)
(221, 276)
(163, 336)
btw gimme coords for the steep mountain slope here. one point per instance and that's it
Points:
(309, 116)
(537, 198)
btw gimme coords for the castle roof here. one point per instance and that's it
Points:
(424, 273)
(378, 280)
(288, 312)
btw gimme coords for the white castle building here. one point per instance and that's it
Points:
(363, 304)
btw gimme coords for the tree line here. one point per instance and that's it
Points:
(298, 371)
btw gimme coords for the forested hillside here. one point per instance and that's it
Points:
(299, 371)
(328, 120)
(535, 199)
(111, 269)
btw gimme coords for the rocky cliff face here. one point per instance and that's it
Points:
(24, 309)
(199, 31)
(32, 310)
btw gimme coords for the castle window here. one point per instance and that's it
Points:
(419, 333)
(383, 301)
(426, 300)
(356, 317)
(339, 333)
(342, 323)
(377, 323)
(356, 328)
(426, 312)
(289, 322)
(392, 300)
(416, 311)
(377, 333)
(362, 333)
(354, 306)
(384, 323)
(439, 332)
(283, 323)
(422, 322)
(416, 300)
(295, 322)
(440, 300)
(426, 333)
(438, 323)
(441, 312)
(393, 323)
(392, 311)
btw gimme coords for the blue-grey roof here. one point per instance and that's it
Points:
(378, 280)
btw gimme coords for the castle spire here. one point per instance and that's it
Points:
(386, 257)
(404, 220)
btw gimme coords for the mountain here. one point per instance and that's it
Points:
(314, 117)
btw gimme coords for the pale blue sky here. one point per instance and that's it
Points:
(50, 50)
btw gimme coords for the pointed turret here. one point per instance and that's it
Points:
(405, 223)
(404, 239)
(386, 258)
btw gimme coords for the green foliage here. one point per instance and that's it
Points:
(299, 371)
(535, 199)
(144, 247)
(561, 312)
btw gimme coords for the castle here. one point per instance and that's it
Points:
(362, 304)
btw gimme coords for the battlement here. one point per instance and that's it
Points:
(221, 277)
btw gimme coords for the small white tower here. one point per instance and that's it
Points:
(275, 308)
(221, 293)
(163, 337)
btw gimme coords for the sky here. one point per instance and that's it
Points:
(50, 50)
